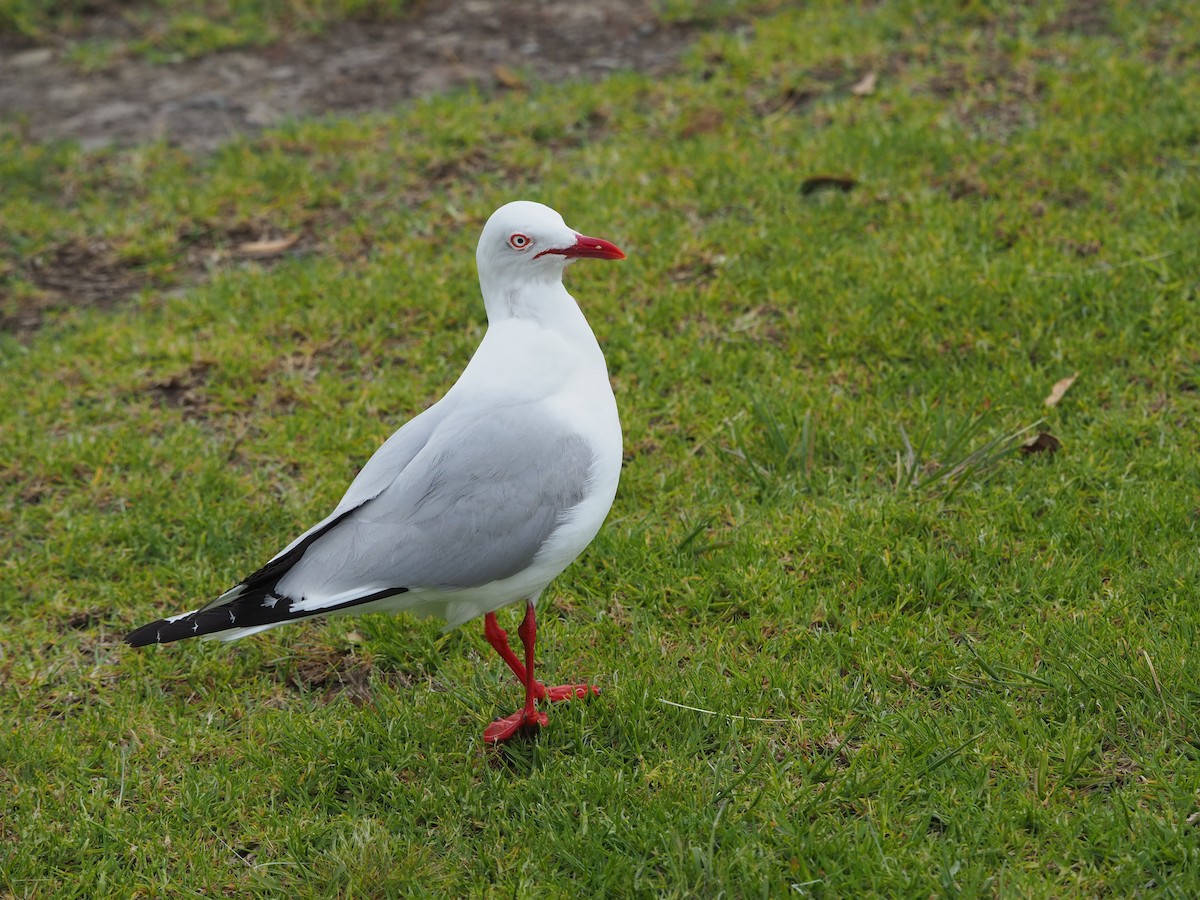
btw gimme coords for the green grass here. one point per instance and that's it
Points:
(851, 642)
(173, 30)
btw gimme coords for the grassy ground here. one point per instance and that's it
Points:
(849, 642)
(172, 30)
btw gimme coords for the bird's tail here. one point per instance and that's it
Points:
(240, 612)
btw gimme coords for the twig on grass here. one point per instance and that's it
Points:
(1107, 267)
(711, 712)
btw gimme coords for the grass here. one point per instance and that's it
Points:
(174, 30)
(851, 642)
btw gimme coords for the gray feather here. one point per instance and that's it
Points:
(474, 505)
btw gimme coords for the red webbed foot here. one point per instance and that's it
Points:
(568, 692)
(508, 727)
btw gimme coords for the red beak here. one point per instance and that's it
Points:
(588, 247)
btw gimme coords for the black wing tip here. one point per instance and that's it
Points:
(147, 634)
(246, 611)
(164, 631)
(195, 624)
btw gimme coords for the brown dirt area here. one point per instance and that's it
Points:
(352, 67)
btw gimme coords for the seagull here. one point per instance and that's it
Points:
(482, 499)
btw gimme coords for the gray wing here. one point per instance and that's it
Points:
(388, 461)
(385, 464)
(474, 505)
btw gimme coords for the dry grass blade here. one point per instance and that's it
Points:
(269, 247)
(954, 464)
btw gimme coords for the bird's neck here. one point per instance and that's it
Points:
(547, 304)
(537, 340)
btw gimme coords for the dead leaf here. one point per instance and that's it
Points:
(827, 182)
(1060, 388)
(271, 247)
(508, 78)
(704, 121)
(864, 85)
(1045, 442)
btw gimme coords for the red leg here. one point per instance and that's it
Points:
(528, 716)
(498, 638)
(528, 633)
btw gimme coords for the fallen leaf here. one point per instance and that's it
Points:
(703, 122)
(864, 85)
(827, 182)
(1045, 442)
(1060, 388)
(508, 78)
(272, 247)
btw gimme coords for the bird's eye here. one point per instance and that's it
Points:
(519, 241)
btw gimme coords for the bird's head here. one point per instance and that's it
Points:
(526, 242)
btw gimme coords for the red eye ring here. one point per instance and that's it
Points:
(519, 241)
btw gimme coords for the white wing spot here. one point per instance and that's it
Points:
(231, 618)
(195, 627)
(269, 602)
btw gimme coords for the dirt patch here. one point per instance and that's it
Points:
(80, 272)
(86, 618)
(89, 273)
(183, 390)
(338, 673)
(332, 673)
(351, 68)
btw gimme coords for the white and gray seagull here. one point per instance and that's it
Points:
(481, 500)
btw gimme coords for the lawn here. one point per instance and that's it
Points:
(99, 32)
(852, 639)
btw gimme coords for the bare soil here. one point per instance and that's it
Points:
(352, 67)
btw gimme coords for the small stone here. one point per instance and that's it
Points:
(28, 59)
